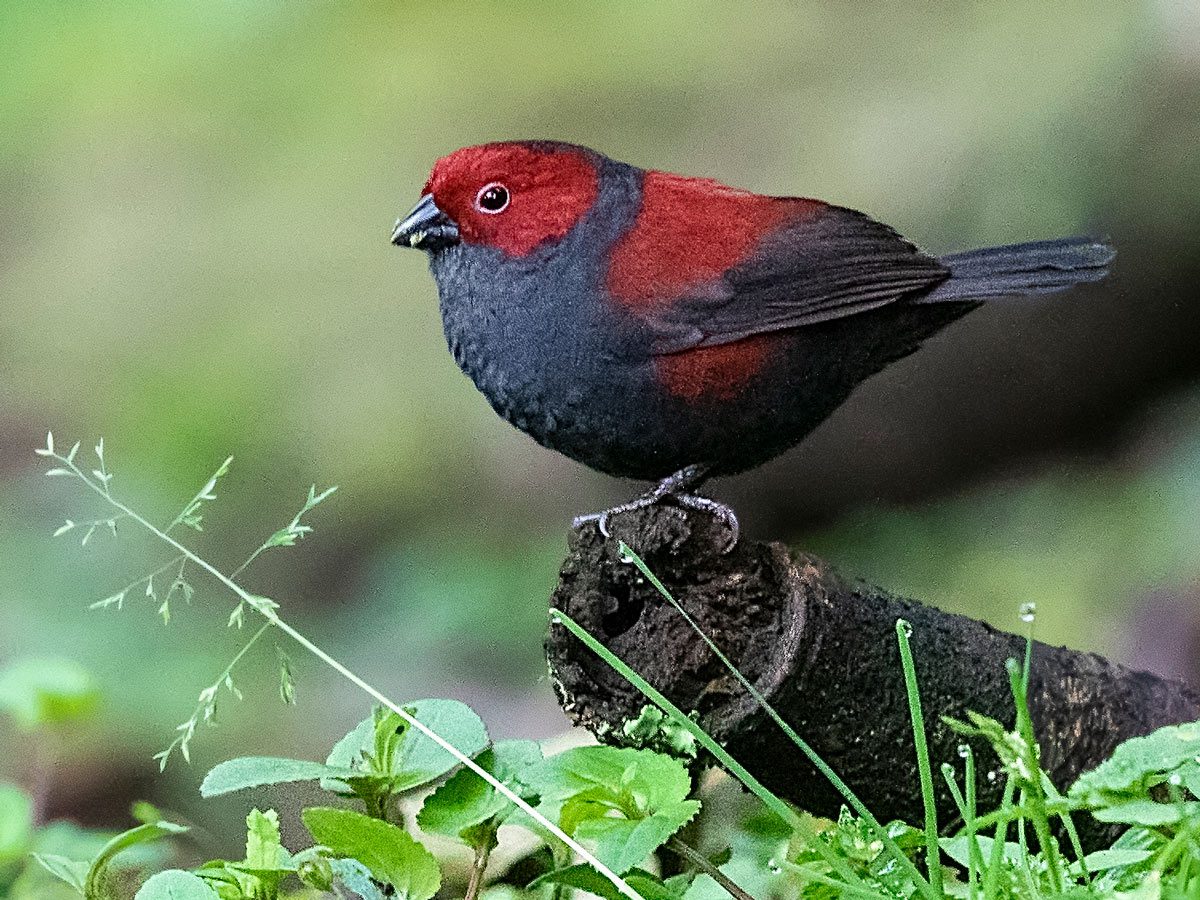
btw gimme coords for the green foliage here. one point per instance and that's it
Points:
(625, 802)
(16, 823)
(616, 808)
(391, 757)
(655, 730)
(256, 771)
(91, 879)
(175, 884)
(391, 855)
(40, 692)
(468, 808)
(1169, 756)
(585, 878)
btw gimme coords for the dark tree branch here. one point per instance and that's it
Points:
(823, 651)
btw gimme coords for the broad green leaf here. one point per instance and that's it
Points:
(1138, 764)
(391, 854)
(16, 822)
(1134, 841)
(348, 752)
(44, 691)
(72, 871)
(142, 834)
(466, 800)
(1103, 860)
(416, 759)
(175, 884)
(652, 779)
(641, 781)
(357, 878)
(256, 771)
(622, 844)
(959, 849)
(1146, 812)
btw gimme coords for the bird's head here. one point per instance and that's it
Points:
(512, 196)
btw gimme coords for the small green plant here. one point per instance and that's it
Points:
(604, 814)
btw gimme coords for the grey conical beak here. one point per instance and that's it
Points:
(425, 228)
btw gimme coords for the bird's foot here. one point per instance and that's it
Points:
(720, 512)
(674, 488)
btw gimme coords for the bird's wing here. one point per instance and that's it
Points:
(706, 265)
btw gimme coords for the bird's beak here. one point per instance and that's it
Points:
(425, 228)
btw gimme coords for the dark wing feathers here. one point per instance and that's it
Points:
(826, 266)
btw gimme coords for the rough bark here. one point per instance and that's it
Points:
(823, 650)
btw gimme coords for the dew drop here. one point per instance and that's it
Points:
(1028, 611)
(907, 628)
(964, 750)
(1176, 779)
(773, 865)
(991, 775)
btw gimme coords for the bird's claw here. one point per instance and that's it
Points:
(719, 511)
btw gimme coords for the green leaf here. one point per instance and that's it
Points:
(356, 877)
(264, 850)
(584, 786)
(1146, 812)
(585, 878)
(141, 834)
(175, 884)
(16, 822)
(645, 780)
(466, 800)
(1103, 860)
(958, 849)
(623, 843)
(256, 771)
(1138, 764)
(72, 871)
(415, 758)
(391, 854)
(38, 692)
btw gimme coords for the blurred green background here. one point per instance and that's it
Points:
(195, 204)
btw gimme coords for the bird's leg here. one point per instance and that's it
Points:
(678, 486)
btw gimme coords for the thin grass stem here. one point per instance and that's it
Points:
(933, 852)
(823, 767)
(273, 618)
(996, 857)
(702, 864)
(797, 822)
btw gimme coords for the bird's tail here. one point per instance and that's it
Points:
(1039, 267)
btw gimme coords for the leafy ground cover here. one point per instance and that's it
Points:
(601, 820)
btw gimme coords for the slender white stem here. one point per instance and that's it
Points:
(371, 691)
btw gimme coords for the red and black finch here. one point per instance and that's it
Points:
(671, 329)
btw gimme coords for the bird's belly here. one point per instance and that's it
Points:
(646, 418)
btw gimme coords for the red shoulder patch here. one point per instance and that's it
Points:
(718, 372)
(689, 231)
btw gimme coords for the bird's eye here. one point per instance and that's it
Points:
(492, 198)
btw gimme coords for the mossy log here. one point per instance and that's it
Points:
(822, 649)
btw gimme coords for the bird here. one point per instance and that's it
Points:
(672, 329)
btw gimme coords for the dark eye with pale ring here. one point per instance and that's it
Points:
(492, 198)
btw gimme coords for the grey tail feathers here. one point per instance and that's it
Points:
(1039, 267)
